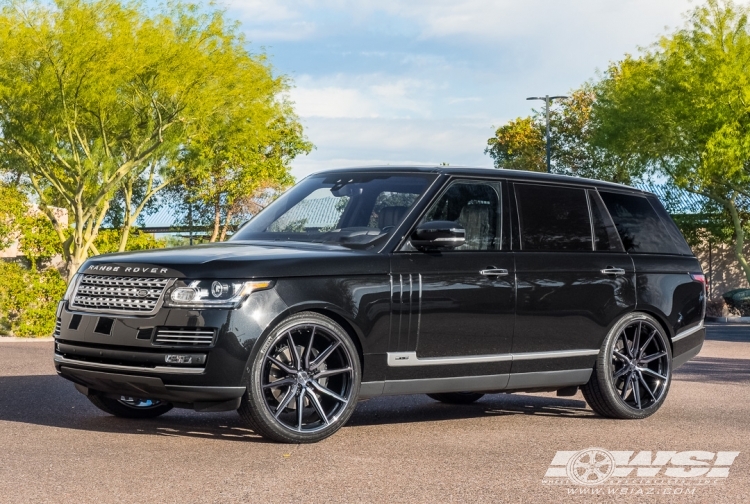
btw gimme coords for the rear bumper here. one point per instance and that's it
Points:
(687, 344)
(199, 398)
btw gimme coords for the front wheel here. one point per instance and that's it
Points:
(633, 371)
(304, 381)
(130, 407)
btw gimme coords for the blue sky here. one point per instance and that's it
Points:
(388, 82)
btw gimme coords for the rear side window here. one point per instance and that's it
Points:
(553, 218)
(638, 224)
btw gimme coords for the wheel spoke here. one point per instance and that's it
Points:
(645, 345)
(621, 356)
(320, 359)
(300, 407)
(317, 405)
(332, 372)
(285, 401)
(323, 390)
(652, 357)
(621, 372)
(280, 383)
(636, 340)
(276, 362)
(293, 352)
(626, 387)
(645, 385)
(651, 372)
(636, 392)
(308, 350)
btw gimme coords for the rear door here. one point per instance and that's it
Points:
(573, 278)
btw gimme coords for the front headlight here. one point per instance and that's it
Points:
(212, 293)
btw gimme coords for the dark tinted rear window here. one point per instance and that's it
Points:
(553, 218)
(639, 226)
(606, 238)
(672, 229)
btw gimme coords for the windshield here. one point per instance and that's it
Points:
(357, 210)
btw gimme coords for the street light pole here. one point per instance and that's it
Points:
(547, 99)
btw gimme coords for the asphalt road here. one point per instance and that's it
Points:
(56, 447)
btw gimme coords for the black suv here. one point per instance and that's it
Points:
(451, 282)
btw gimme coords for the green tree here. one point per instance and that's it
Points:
(683, 109)
(96, 95)
(521, 143)
(13, 208)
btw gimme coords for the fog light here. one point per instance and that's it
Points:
(184, 359)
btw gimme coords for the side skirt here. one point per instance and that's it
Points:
(518, 381)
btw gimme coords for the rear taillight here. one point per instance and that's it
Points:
(699, 277)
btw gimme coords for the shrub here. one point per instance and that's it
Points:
(28, 300)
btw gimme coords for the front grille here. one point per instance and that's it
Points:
(185, 336)
(119, 294)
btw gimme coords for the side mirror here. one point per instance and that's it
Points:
(438, 234)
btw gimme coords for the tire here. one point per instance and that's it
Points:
(457, 397)
(130, 407)
(633, 371)
(319, 371)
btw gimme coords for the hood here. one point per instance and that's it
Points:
(240, 260)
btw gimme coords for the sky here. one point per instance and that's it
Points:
(428, 81)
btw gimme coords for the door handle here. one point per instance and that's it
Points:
(613, 271)
(494, 272)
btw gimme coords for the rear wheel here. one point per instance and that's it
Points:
(130, 407)
(304, 381)
(457, 397)
(633, 371)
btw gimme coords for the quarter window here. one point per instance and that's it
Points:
(638, 224)
(553, 218)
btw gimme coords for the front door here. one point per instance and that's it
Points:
(453, 310)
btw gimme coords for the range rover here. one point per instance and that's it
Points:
(357, 283)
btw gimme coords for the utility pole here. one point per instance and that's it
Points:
(547, 99)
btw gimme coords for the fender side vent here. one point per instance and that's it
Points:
(185, 336)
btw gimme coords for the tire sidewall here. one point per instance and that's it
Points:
(255, 396)
(604, 368)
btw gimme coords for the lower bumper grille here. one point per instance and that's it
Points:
(185, 336)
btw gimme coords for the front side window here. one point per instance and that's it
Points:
(553, 218)
(357, 210)
(476, 206)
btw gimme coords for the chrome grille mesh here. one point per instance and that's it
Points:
(119, 294)
(185, 336)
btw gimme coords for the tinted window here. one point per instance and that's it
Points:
(638, 224)
(553, 218)
(672, 229)
(606, 238)
(474, 205)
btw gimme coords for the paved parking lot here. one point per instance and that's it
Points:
(56, 447)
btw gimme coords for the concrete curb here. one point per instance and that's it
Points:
(13, 339)
(729, 320)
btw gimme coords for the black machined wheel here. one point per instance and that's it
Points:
(633, 371)
(130, 407)
(304, 381)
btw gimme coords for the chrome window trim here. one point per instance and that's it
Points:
(410, 359)
(118, 367)
(687, 332)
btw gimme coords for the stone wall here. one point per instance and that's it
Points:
(720, 265)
